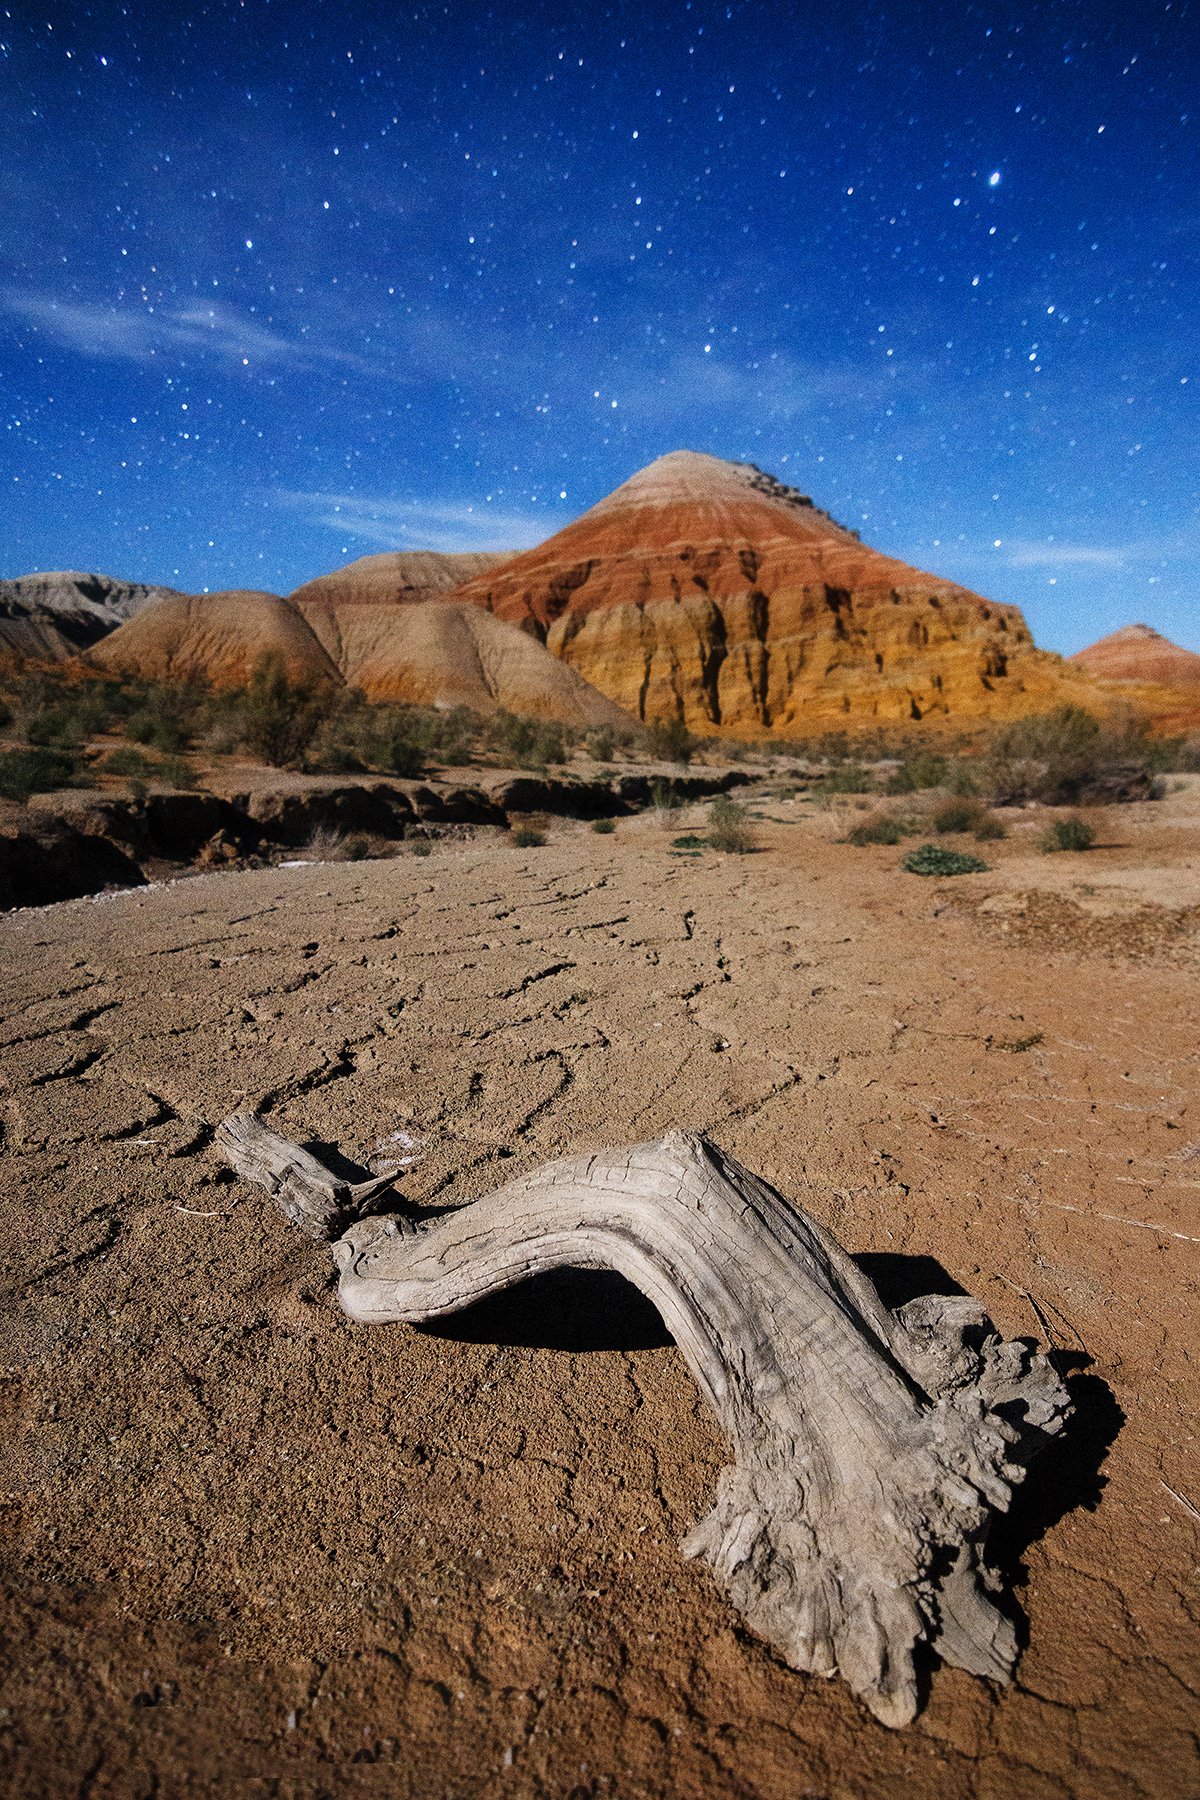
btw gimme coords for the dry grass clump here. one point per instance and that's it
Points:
(879, 828)
(729, 827)
(329, 844)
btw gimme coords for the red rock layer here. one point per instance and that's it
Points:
(1139, 653)
(708, 591)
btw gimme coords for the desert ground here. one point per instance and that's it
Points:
(258, 1549)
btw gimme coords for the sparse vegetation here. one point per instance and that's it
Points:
(988, 828)
(528, 837)
(1072, 833)
(36, 771)
(956, 815)
(880, 828)
(846, 778)
(919, 771)
(689, 841)
(935, 859)
(671, 741)
(281, 717)
(729, 827)
(603, 827)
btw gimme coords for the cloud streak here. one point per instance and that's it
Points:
(133, 332)
(446, 525)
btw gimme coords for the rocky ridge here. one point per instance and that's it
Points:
(708, 591)
(50, 616)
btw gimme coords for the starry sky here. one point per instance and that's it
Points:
(284, 284)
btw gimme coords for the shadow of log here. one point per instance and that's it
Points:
(1069, 1477)
(565, 1309)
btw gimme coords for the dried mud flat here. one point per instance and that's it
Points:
(257, 1549)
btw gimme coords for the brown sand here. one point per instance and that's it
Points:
(259, 1550)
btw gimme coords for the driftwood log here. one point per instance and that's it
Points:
(871, 1448)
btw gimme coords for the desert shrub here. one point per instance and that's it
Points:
(280, 717)
(988, 828)
(959, 814)
(935, 859)
(600, 743)
(1068, 834)
(919, 771)
(36, 771)
(1059, 757)
(603, 827)
(528, 837)
(160, 729)
(421, 847)
(326, 843)
(68, 722)
(689, 841)
(880, 828)
(665, 801)
(174, 772)
(671, 741)
(527, 743)
(729, 827)
(125, 760)
(847, 778)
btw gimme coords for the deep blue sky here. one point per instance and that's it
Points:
(282, 284)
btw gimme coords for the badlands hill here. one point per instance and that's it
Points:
(707, 590)
(1139, 653)
(53, 615)
(406, 576)
(443, 655)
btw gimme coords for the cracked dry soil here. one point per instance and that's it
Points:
(257, 1549)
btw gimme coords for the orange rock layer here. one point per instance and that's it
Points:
(707, 591)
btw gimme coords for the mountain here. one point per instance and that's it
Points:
(422, 654)
(51, 616)
(709, 591)
(1139, 653)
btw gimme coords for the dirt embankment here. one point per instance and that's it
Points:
(260, 1549)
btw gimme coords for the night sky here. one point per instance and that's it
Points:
(283, 284)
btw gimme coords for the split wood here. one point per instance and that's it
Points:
(871, 1448)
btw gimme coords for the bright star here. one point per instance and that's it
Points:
(994, 178)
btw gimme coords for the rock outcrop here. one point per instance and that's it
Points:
(707, 591)
(1139, 653)
(51, 616)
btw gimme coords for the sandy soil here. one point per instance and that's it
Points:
(257, 1549)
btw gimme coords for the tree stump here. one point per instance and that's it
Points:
(871, 1448)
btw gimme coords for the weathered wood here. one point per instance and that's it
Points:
(308, 1194)
(871, 1448)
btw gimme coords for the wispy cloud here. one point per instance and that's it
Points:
(137, 332)
(1021, 554)
(419, 524)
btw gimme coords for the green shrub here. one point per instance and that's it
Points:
(671, 741)
(37, 771)
(125, 760)
(934, 859)
(880, 828)
(600, 743)
(603, 827)
(421, 847)
(174, 772)
(689, 841)
(158, 728)
(729, 827)
(527, 743)
(528, 837)
(917, 772)
(847, 778)
(279, 717)
(1068, 834)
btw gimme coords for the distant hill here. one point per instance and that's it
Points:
(423, 654)
(709, 591)
(396, 575)
(1139, 653)
(49, 617)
